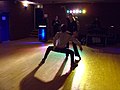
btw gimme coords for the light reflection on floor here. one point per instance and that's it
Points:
(99, 69)
(79, 72)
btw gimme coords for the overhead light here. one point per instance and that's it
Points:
(26, 3)
(80, 11)
(76, 11)
(68, 11)
(83, 11)
(39, 6)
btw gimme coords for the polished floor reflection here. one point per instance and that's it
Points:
(99, 68)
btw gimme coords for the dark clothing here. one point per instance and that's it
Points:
(61, 50)
(75, 49)
(72, 27)
(56, 26)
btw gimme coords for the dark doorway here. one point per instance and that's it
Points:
(4, 26)
(38, 17)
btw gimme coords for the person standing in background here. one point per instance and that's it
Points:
(56, 25)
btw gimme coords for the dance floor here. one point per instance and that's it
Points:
(99, 68)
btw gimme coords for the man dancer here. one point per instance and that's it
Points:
(72, 29)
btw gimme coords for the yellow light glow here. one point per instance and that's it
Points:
(79, 73)
(83, 11)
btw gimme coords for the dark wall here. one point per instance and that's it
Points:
(4, 6)
(108, 13)
(21, 20)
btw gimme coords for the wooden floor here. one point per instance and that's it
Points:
(99, 68)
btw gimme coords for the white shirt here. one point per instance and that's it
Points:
(62, 38)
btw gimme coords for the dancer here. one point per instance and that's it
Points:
(72, 28)
(59, 45)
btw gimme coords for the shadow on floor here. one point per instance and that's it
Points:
(32, 83)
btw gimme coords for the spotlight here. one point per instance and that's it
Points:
(38, 6)
(83, 11)
(80, 11)
(26, 3)
(74, 11)
(68, 11)
(77, 11)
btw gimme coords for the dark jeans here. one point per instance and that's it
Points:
(75, 49)
(63, 50)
